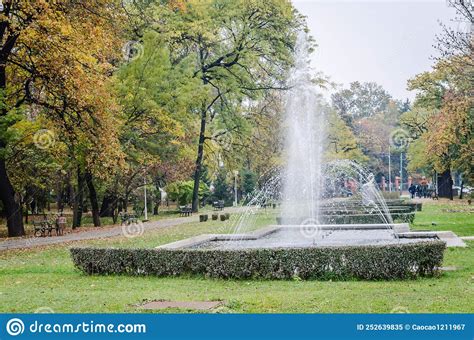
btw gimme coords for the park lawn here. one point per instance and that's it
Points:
(456, 216)
(46, 278)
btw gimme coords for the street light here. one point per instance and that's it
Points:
(146, 205)
(236, 173)
(389, 170)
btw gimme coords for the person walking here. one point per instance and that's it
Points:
(412, 190)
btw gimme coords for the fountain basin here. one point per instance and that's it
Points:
(297, 236)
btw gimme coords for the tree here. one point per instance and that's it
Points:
(444, 106)
(458, 43)
(157, 98)
(446, 92)
(222, 188)
(360, 100)
(249, 182)
(47, 60)
(182, 192)
(341, 142)
(241, 48)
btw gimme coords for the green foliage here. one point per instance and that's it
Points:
(249, 182)
(360, 100)
(240, 50)
(157, 98)
(182, 192)
(443, 118)
(388, 262)
(341, 142)
(222, 189)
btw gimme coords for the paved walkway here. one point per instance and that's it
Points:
(98, 233)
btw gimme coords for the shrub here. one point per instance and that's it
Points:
(389, 262)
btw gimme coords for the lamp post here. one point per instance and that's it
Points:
(146, 205)
(236, 173)
(401, 172)
(389, 170)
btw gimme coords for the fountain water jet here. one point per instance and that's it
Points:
(304, 139)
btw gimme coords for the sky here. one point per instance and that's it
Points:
(384, 41)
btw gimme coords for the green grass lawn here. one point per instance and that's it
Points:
(456, 216)
(46, 278)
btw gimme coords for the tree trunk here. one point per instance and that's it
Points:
(109, 202)
(60, 194)
(11, 207)
(78, 200)
(125, 203)
(445, 185)
(93, 199)
(26, 213)
(200, 155)
(462, 188)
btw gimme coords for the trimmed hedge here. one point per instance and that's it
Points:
(389, 262)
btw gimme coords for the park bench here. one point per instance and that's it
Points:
(126, 218)
(185, 210)
(45, 227)
(218, 205)
(42, 228)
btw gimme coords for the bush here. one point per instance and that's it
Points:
(389, 262)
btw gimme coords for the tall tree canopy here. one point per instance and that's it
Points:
(241, 49)
(48, 63)
(442, 120)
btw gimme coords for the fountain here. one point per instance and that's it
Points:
(329, 218)
(312, 213)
